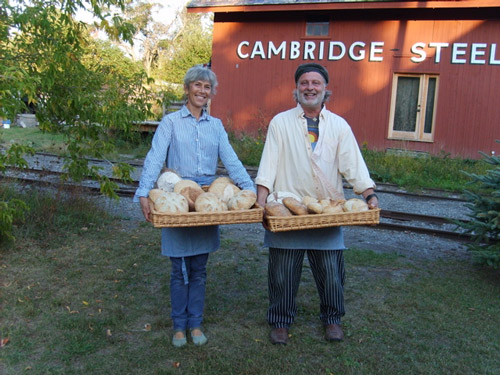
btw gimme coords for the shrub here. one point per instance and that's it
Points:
(248, 148)
(484, 224)
(11, 209)
(46, 216)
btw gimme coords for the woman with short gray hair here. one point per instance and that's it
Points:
(191, 142)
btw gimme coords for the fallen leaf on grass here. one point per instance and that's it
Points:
(71, 311)
(85, 303)
(108, 333)
(177, 364)
(4, 342)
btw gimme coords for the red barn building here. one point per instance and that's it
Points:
(419, 76)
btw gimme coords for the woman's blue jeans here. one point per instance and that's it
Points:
(187, 291)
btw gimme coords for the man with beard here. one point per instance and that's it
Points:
(308, 150)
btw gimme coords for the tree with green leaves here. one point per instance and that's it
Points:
(191, 45)
(484, 224)
(80, 88)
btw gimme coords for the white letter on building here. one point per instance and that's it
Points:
(457, 52)
(377, 47)
(417, 49)
(272, 50)
(438, 46)
(362, 52)
(493, 52)
(258, 49)
(475, 52)
(321, 50)
(309, 48)
(294, 50)
(240, 54)
(342, 48)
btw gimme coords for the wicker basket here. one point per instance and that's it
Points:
(196, 219)
(299, 222)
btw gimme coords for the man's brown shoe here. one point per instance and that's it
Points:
(279, 336)
(333, 332)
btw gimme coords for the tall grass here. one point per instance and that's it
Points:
(437, 172)
(410, 172)
(248, 148)
(52, 214)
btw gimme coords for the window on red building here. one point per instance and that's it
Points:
(413, 107)
(317, 28)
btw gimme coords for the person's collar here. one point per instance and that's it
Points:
(185, 113)
(301, 113)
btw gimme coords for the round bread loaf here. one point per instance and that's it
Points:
(306, 199)
(325, 202)
(191, 194)
(355, 205)
(171, 203)
(295, 206)
(333, 209)
(154, 194)
(224, 190)
(315, 208)
(167, 180)
(243, 200)
(276, 209)
(185, 183)
(223, 179)
(209, 202)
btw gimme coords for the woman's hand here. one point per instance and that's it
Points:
(146, 210)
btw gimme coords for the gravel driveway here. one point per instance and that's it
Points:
(411, 245)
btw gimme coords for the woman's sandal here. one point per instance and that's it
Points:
(179, 342)
(198, 339)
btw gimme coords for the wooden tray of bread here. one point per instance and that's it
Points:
(288, 213)
(195, 219)
(186, 204)
(311, 221)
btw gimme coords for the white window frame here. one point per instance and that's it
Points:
(319, 25)
(418, 134)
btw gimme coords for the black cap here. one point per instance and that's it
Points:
(311, 67)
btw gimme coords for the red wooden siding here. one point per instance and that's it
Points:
(251, 91)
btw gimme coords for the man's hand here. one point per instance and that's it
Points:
(262, 193)
(371, 198)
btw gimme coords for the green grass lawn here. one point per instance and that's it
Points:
(136, 147)
(85, 293)
(33, 137)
